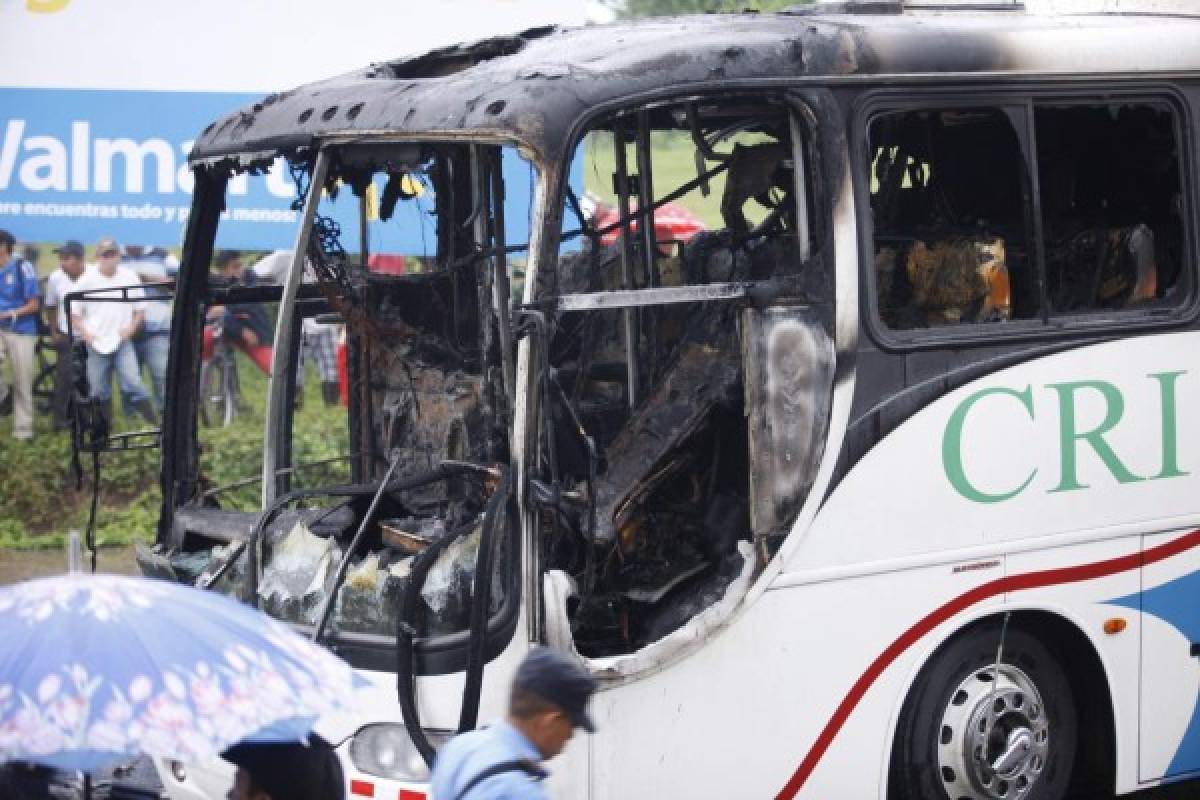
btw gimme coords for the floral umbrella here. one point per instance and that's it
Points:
(96, 668)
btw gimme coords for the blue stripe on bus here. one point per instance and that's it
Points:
(1176, 603)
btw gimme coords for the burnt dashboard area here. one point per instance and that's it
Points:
(409, 258)
(688, 365)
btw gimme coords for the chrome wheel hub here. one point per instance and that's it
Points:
(994, 736)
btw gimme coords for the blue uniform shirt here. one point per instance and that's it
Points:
(469, 754)
(18, 283)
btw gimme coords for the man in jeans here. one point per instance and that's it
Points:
(108, 328)
(153, 340)
(20, 299)
(61, 283)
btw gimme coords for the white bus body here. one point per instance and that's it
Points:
(932, 532)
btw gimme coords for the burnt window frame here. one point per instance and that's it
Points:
(805, 115)
(784, 95)
(434, 655)
(1050, 325)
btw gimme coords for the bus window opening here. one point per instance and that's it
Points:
(684, 421)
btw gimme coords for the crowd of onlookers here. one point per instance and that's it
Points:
(124, 322)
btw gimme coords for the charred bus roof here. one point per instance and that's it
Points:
(533, 86)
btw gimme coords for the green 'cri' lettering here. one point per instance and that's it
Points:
(952, 461)
(1068, 436)
(1170, 443)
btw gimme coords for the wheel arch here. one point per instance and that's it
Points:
(1096, 751)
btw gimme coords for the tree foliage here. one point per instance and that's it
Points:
(661, 8)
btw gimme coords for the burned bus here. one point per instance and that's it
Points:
(824, 381)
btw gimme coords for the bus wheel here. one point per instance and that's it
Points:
(970, 731)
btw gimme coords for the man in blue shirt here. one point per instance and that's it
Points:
(20, 299)
(549, 700)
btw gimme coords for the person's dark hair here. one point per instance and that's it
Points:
(291, 770)
(223, 257)
(524, 704)
(7, 239)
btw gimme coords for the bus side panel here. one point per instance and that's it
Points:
(1054, 449)
(1170, 606)
(744, 712)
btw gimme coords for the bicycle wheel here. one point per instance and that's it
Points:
(232, 391)
(213, 392)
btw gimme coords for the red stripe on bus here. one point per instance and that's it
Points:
(362, 788)
(1029, 580)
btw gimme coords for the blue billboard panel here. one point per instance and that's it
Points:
(81, 164)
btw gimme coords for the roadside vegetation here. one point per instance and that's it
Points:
(40, 503)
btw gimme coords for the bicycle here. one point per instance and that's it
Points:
(220, 393)
(46, 364)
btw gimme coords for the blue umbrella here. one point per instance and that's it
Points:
(96, 668)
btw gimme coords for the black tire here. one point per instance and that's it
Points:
(947, 707)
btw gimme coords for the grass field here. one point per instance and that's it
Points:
(40, 502)
(673, 157)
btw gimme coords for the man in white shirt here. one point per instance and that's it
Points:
(108, 328)
(59, 284)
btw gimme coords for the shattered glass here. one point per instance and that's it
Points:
(448, 588)
(298, 575)
(369, 599)
(197, 566)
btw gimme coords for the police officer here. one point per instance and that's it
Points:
(548, 702)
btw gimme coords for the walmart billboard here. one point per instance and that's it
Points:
(100, 100)
(81, 164)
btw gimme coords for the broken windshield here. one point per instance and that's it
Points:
(407, 274)
(425, 301)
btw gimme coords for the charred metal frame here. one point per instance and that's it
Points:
(279, 381)
(629, 318)
(757, 291)
(800, 110)
(179, 446)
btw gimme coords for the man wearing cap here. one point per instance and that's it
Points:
(548, 702)
(291, 771)
(20, 299)
(59, 284)
(108, 328)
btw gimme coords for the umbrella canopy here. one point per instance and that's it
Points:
(95, 668)
(672, 223)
